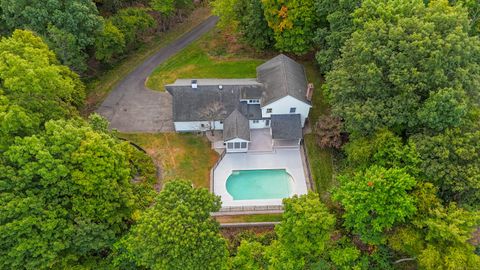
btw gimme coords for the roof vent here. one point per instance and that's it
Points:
(194, 84)
(220, 87)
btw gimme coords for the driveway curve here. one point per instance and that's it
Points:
(131, 107)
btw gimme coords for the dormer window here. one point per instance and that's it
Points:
(269, 110)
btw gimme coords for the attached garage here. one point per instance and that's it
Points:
(286, 130)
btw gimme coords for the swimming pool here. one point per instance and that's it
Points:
(259, 184)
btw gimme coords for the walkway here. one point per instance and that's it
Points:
(131, 107)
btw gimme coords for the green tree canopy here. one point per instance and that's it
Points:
(375, 200)
(439, 237)
(176, 233)
(451, 161)
(253, 25)
(66, 197)
(109, 43)
(385, 149)
(408, 66)
(77, 20)
(32, 78)
(335, 31)
(303, 235)
(293, 22)
(133, 23)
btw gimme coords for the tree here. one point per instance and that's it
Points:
(451, 161)
(133, 23)
(14, 122)
(335, 31)
(253, 25)
(293, 23)
(375, 200)
(250, 256)
(66, 197)
(225, 10)
(212, 113)
(66, 47)
(77, 20)
(329, 131)
(438, 237)
(109, 43)
(407, 68)
(303, 235)
(384, 149)
(32, 78)
(176, 233)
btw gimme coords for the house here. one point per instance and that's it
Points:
(279, 99)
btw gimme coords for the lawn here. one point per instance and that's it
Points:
(208, 57)
(180, 155)
(249, 218)
(98, 89)
(320, 159)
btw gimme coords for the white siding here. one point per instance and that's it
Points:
(260, 124)
(196, 126)
(236, 140)
(283, 105)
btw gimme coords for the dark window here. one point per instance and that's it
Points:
(202, 125)
(237, 145)
(244, 145)
(293, 110)
(230, 145)
(269, 110)
(255, 121)
(221, 122)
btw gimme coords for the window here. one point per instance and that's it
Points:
(293, 110)
(237, 145)
(221, 122)
(244, 145)
(202, 125)
(269, 110)
(255, 121)
(230, 145)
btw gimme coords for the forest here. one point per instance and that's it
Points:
(402, 81)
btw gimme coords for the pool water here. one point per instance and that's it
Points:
(259, 184)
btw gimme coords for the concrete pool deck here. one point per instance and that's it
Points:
(288, 159)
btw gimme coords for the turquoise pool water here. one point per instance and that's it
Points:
(259, 184)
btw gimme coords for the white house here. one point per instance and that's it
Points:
(278, 99)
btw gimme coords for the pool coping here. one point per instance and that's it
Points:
(280, 159)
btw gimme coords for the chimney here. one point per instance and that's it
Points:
(310, 89)
(194, 84)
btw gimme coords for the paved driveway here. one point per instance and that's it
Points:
(131, 107)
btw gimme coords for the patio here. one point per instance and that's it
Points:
(288, 159)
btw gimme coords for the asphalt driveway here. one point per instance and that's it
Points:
(131, 107)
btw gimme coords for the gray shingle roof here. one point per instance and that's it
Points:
(189, 104)
(236, 126)
(286, 127)
(282, 76)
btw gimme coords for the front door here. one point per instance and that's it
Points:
(267, 122)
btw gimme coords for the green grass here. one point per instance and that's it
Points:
(98, 89)
(197, 61)
(180, 155)
(321, 166)
(320, 159)
(249, 218)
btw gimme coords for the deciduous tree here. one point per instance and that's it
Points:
(32, 78)
(66, 197)
(293, 22)
(303, 235)
(176, 233)
(78, 20)
(329, 131)
(375, 200)
(109, 43)
(451, 161)
(408, 67)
